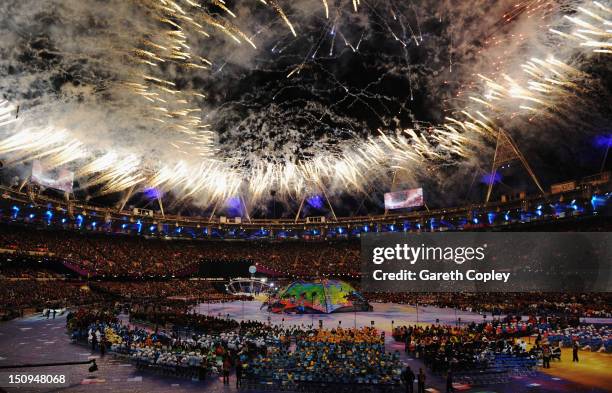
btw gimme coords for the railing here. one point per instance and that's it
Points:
(200, 227)
(8, 193)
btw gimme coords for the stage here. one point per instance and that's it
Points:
(382, 315)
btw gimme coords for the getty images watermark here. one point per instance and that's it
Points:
(487, 262)
(423, 253)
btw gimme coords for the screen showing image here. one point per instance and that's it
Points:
(403, 199)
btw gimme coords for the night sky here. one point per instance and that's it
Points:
(389, 67)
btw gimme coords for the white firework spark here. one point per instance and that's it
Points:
(194, 168)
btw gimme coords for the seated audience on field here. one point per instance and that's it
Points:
(329, 356)
(475, 346)
(587, 337)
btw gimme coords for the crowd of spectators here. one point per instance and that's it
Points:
(17, 295)
(120, 255)
(32, 290)
(569, 305)
(469, 348)
(300, 259)
(188, 290)
(40, 287)
(24, 290)
(29, 273)
(144, 261)
(103, 255)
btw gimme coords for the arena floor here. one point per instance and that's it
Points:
(592, 367)
(383, 315)
(37, 340)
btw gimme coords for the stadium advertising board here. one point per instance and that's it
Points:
(562, 187)
(403, 199)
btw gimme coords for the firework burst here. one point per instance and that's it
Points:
(167, 48)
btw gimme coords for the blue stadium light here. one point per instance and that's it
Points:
(507, 216)
(573, 204)
(49, 214)
(491, 217)
(340, 230)
(366, 229)
(31, 215)
(63, 220)
(93, 224)
(123, 226)
(139, 225)
(79, 220)
(539, 211)
(597, 201)
(392, 228)
(152, 228)
(475, 220)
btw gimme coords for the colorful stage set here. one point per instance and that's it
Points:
(318, 297)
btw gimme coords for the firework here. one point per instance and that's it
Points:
(6, 113)
(592, 28)
(197, 170)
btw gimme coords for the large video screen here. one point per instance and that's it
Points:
(59, 179)
(403, 199)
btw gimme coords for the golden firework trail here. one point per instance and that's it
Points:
(591, 28)
(535, 88)
(7, 111)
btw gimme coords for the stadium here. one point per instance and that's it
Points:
(305, 196)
